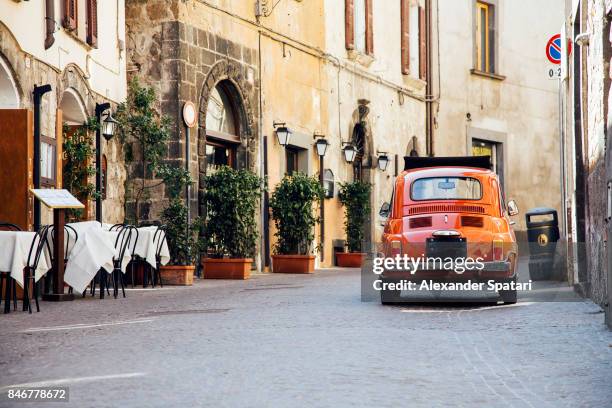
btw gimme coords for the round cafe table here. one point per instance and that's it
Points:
(94, 250)
(14, 251)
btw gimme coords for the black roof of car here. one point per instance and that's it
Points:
(480, 162)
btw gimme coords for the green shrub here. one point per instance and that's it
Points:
(231, 200)
(294, 214)
(355, 197)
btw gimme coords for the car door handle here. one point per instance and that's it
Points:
(512, 222)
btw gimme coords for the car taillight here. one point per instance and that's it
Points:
(396, 248)
(498, 250)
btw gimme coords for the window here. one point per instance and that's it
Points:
(292, 158)
(217, 155)
(48, 162)
(485, 37)
(446, 188)
(493, 150)
(221, 130)
(411, 36)
(83, 25)
(359, 26)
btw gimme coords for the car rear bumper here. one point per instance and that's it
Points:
(453, 272)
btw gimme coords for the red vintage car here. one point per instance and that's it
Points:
(444, 212)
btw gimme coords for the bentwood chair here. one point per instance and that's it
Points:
(159, 239)
(128, 235)
(131, 248)
(9, 286)
(29, 274)
(71, 237)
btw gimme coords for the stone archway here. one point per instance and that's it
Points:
(73, 108)
(9, 92)
(227, 76)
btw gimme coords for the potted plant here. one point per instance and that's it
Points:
(294, 217)
(230, 226)
(355, 198)
(181, 235)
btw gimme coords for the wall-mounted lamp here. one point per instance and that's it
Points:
(383, 160)
(350, 152)
(109, 125)
(283, 133)
(321, 144)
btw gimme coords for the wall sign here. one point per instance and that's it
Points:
(189, 114)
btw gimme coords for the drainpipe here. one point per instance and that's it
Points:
(429, 85)
(38, 93)
(49, 23)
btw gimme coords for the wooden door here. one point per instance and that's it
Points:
(16, 167)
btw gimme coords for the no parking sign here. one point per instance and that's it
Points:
(553, 49)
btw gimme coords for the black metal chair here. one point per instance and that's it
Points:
(127, 235)
(29, 273)
(10, 287)
(71, 237)
(159, 239)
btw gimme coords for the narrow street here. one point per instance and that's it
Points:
(306, 340)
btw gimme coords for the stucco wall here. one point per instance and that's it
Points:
(523, 107)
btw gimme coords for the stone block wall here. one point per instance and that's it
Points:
(182, 63)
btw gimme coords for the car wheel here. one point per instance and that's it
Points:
(390, 297)
(508, 296)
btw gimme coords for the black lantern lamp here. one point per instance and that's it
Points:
(283, 133)
(350, 152)
(383, 161)
(321, 144)
(109, 125)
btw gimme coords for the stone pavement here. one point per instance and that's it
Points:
(306, 340)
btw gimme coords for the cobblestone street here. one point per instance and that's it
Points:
(281, 340)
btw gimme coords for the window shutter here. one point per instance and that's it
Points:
(405, 36)
(422, 44)
(70, 14)
(92, 23)
(349, 25)
(369, 27)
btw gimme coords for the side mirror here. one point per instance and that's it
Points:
(385, 210)
(512, 208)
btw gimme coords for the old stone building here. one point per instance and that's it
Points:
(586, 97)
(352, 72)
(495, 97)
(79, 53)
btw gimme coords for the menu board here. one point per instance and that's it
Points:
(53, 198)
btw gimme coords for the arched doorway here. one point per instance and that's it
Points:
(73, 108)
(9, 94)
(362, 170)
(222, 128)
(72, 117)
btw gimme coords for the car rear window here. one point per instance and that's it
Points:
(446, 188)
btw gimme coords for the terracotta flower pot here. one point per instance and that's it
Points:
(350, 259)
(227, 268)
(180, 275)
(293, 263)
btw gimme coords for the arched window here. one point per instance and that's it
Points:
(222, 130)
(359, 143)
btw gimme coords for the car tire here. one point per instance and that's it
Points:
(508, 296)
(390, 297)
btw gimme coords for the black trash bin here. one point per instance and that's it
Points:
(542, 234)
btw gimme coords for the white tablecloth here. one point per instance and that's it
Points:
(95, 249)
(146, 246)
(14, 251)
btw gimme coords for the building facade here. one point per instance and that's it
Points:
(588, 192)
(352, 71)
(77, 48)
(495, 98)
